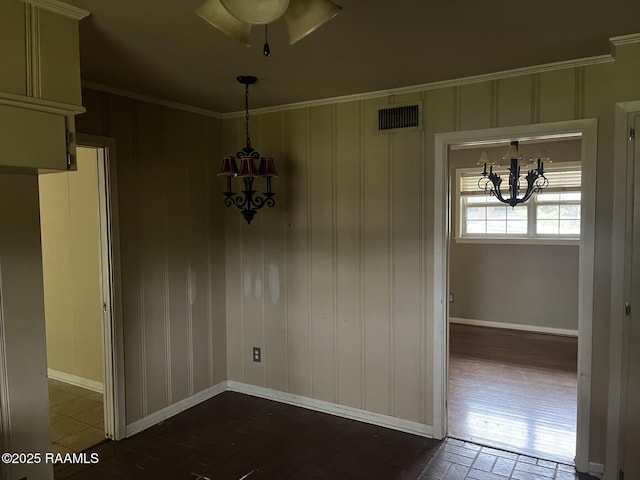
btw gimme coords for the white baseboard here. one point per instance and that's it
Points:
(514, 326)
(171, 410)
(75, 380)
(373, 418)
(381, 420)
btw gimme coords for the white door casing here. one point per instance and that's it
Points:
(587, 129)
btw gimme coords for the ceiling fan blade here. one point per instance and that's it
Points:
(304, 16)
(214, 13)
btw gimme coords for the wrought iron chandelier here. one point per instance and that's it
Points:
(247, 201)
(490, 182)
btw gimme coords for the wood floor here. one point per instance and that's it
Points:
(514, 390)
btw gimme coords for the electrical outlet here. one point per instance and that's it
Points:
(257, 354)
(451, 298)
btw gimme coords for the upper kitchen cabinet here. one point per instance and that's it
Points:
(40, 51)
(40, 90)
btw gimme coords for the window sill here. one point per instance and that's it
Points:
(520, 241)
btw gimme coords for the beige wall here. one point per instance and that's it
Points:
(171, 246)
(546, 291)
(71, 260)
(348, 246)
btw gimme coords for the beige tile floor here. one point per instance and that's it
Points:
(76, 417)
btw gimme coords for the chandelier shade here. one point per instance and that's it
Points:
(256, 12)
(247, 167)
(305, 16)
(267, 167)
(228, 167)
(214, 13)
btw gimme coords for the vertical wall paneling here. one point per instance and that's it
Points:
(172, 248)
(153, 233)
(440, 115)
(579, 92)
(557, 95)
(232, 142)
(376, 230)
(475, 106)
(123, 115)
(196, 191)
(494, 113)
(405, 254)
(321, 251)
(297, 275)
(348, 275)
(253, 279)
(274, 257)
(213, 223)
(535, 98)
(177, 268)
(514, 102)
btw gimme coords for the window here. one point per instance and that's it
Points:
(553, 214)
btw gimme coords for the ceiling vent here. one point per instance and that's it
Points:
(392, 118)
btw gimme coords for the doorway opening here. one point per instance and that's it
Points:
(513, 303)
(586, 131)
(78, 282)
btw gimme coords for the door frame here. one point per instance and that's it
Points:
(622, 167)
(112, 325)
(588, 129)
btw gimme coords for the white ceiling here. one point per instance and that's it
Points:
(161, 48)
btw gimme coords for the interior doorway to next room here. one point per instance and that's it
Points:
(77, 272)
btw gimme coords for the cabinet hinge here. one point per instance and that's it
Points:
(70, 161)
(627, 309)
(632, 134)
(69, 137)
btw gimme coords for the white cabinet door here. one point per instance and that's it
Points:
(32, 139)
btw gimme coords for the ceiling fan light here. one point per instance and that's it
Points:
(304, 16)
(214, 13)
(256, 12)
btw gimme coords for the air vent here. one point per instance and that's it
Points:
(398, 117)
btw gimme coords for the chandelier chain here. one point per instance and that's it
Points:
(246, 114)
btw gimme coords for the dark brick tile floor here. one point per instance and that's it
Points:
(239, 437)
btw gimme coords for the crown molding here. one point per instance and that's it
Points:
(516, 72)
(625, 39)
(149, 99)
(565, 64)
(60, 8)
